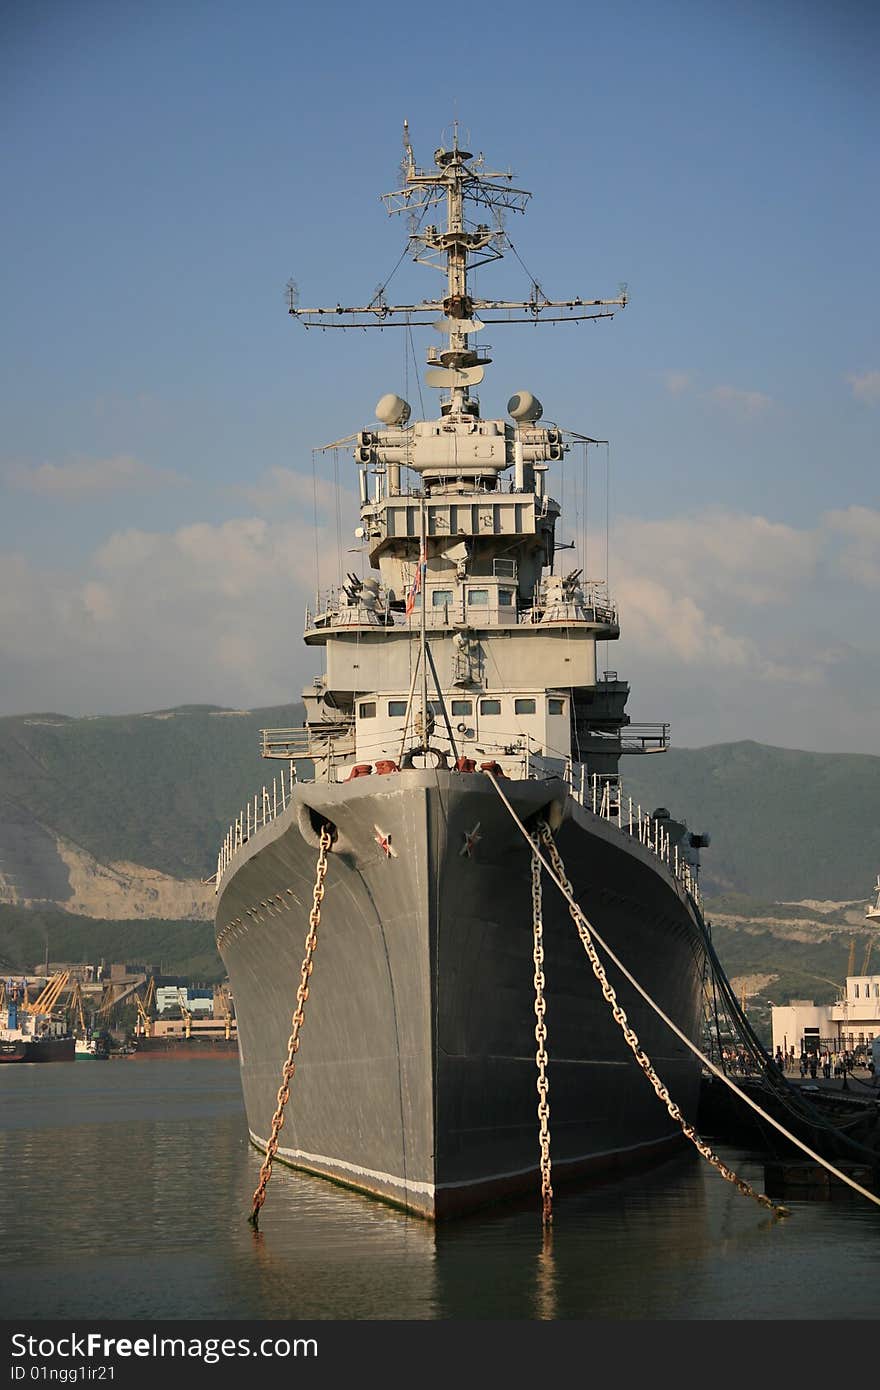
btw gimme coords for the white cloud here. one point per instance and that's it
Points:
(677, 383)
(718, 604)
(747, 405)
(865, 386)
(732, 556)
(860, 557)
(204, 613)
(284, 487)
(733, 625)
(87, 477)
(675, 627)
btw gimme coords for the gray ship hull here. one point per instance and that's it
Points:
(415, 1078)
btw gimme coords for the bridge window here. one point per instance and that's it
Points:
(462, 707)
(524, 707)
(505, 598)
(490, 707)
(441, 597)
(478, 598)
(555, 706)
(367, 710)
(397, 708)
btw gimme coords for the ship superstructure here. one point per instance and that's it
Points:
(467, 655)
(461, 534)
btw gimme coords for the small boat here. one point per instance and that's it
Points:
(94, 1049)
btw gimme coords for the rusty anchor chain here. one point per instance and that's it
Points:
(546, 835)
(543, 1084)
(302, 995)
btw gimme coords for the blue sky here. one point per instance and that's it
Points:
(168, 167)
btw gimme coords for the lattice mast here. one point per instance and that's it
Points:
(458, 178)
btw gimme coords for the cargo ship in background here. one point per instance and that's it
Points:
(28, 1032)
(188, 1037)
(460, 663)
(205, 1040)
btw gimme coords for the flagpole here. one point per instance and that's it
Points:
(423, 565)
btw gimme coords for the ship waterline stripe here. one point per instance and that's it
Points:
(405, 1185)
(429, 1189)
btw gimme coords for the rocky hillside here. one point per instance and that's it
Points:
(118, 819)
(121, 817)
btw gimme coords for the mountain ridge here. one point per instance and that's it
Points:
(153, 794)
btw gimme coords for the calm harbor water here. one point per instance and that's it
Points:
(125, 1186)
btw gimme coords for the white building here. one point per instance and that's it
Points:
(195, 1000)
(852, 1022)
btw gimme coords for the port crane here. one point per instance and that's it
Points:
(45, 1001)
(222, 999)
(75, 1006)
(115, 992)
(185, 1014)
(144, 1008)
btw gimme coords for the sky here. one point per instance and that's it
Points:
(167, 168)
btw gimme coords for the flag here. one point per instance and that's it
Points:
(416, 586)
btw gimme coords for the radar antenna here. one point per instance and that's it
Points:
(455, 246)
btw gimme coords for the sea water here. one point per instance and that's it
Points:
(125, 1188)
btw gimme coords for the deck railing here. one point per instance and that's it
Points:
(332, 608)
(600, 795)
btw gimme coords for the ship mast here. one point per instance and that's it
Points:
(458, 178)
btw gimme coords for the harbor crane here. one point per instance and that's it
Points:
(144, 1008)
(75, 1006)
(221, 998)
(45, 1002)
(185, 1013)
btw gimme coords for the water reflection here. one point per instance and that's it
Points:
(125, 1190)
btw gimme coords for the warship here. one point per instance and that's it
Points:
(461, 708)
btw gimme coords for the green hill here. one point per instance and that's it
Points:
(178, 948)
(156, 789)
(159, 790)
(785, 824)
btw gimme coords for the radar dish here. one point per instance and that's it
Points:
(392, 410)
(444, 378)
(525, 407)
(462, 325)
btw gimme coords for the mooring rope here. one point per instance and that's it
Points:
(302, 995)
(576, 912)
(638, 1051)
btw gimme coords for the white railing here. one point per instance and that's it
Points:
(332, 608)
(600, 795)
(604, 798)
(266, 805)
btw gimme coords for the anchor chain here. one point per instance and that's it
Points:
(545, 834)
(541, 1038)
(302, 995)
